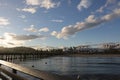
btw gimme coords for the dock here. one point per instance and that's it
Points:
(42, 75)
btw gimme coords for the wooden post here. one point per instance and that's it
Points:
(14, 71)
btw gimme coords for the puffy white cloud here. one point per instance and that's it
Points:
(11, 39)
(108, 2)
(31, 29)
(65, 32)
(32, 2)
(29, 9)
(89, 22)
(43, 3)
(83, 4)
(59, 21)
(45, 29)
(49, 4)
(4, 21)
(90, 19)
(54, 33)
(115, 14)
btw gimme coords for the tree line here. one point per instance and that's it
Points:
(70, 50)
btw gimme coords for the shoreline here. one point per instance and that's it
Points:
(96, 76)
(94, 55)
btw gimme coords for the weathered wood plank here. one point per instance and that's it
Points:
(36, 73)
(12, 75)
(3, 77)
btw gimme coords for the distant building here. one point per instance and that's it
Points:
(93, 48)
(111, 45)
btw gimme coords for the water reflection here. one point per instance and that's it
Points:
(77, 65)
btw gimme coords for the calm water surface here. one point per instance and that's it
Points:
(76, 65)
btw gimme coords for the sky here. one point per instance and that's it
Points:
(58, 23)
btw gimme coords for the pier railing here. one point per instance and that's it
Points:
(42, 75)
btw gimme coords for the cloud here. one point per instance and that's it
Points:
(27, 37)
(11, 39)
(32, 2)
(45, 29)
(22, 16)
(59, 21)
(83, 4)
(108, 2)
(31, 29)
(30, 10)
(115, 14)
(89, 22)
(1, 38)
(47, 4)
(8, 41)
(21, 37)
(54, 33)
(4, 21)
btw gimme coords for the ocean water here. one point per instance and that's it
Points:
(87, 68)
(76, 65)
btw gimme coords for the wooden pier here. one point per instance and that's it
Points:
(42, 75)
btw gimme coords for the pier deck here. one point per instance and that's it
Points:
(42, 75)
